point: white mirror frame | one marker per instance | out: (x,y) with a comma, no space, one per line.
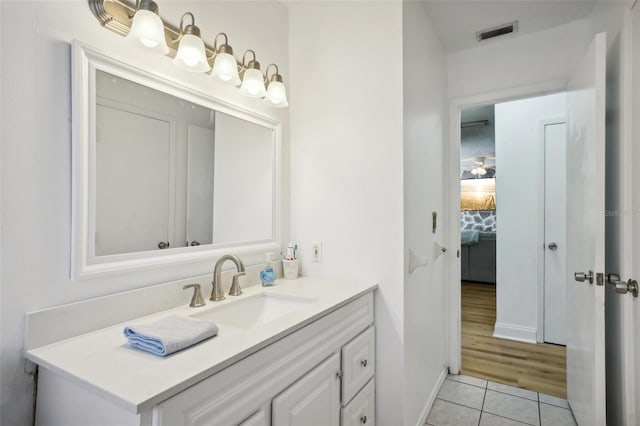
(84,263)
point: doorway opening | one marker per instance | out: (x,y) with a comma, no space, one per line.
(512,235)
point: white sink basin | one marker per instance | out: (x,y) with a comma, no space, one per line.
(254,310)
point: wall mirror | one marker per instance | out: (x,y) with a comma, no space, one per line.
(164,174)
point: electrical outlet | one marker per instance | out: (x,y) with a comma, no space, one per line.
(316,252)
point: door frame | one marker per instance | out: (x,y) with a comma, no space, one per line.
(542,224)
(452,174)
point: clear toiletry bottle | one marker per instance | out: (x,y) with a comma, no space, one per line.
(268,273)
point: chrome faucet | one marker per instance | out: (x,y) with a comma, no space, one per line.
(217,294)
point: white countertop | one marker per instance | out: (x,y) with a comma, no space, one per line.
(102,362)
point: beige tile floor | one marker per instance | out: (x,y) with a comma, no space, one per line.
(469,401)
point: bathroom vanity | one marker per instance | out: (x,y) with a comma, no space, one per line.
(299,353)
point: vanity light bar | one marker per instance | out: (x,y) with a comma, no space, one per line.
(117,16)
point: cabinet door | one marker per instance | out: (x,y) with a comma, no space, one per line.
(314,400)
(358,363)
(361,410)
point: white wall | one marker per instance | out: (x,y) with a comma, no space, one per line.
(519,155)
(425,296)
(244,181)
(346,161)
(523,60)
(36,152)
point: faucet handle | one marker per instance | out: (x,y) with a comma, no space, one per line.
(196,300)
(235,285)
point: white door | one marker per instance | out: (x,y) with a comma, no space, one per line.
(133,185)
(200,147)
(555,232)
(585,236)
(314,400)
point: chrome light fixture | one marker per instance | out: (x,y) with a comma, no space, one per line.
(147,27)
(252,78)
(191,54)
(276,92)
(225,67)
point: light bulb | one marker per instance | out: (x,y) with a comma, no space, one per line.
(225,69)
(191,54)
(147,29)
(253,84)
(276,95)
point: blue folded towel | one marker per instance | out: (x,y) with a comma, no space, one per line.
(169,335)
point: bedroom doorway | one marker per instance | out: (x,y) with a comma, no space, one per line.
(512,259)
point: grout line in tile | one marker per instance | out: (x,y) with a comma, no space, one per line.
(486,381)
(465,406)
(510,394)
(464,383)
(555,406)
(482,410)
(507,418)
(539,412)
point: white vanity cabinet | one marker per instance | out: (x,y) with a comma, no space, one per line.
(315,371)
(299,380)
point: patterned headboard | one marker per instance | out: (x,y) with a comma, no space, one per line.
(480,220)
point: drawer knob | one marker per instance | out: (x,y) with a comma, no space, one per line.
(364,364)
(363,419)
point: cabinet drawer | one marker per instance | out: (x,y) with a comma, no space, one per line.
(358,363)
(258,419)
(361,410)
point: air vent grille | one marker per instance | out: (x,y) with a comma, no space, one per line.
(501,30)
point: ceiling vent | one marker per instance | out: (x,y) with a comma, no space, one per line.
(498,31)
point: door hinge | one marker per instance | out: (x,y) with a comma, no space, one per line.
(599,278)
(458,254)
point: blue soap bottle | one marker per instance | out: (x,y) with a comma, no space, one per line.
(268,273)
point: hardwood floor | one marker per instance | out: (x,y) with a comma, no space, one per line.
(537,367)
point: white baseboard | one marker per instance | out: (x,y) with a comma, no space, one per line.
(432,397)
(515,332)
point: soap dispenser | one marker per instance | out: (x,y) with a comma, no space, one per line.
(268,273)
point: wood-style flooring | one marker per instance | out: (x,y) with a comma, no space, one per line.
(537,367)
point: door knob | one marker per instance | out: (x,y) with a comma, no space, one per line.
(553,246)
(623,287)
(582,277)
(630,286)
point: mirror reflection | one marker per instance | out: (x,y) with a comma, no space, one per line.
(170,173)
